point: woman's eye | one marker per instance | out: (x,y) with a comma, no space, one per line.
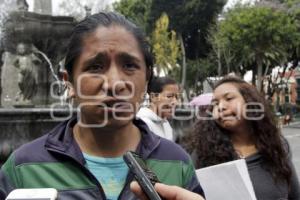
(130,66)
(229,98)
(95,68)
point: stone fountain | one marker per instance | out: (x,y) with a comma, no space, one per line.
(32,49)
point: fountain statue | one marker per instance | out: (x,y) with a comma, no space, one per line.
(27,64)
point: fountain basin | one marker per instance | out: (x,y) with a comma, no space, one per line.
(21,125)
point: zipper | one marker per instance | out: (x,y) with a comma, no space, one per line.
(129,179)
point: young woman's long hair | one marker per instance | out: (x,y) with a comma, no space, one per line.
(212,144)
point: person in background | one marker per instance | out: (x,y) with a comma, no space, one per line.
(108,65)
(163,96)
(243,126)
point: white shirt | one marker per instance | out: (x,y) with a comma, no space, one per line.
(155,123)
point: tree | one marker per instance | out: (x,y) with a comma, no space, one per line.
(190,19)
(294,11)
(259,38)
(292,8)
(136,10)
(163,41)
(165,45)
(200,71)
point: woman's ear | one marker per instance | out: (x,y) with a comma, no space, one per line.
(68,84)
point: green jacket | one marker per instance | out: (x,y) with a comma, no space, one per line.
(56,161)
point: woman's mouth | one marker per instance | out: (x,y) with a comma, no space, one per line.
(228,118)
(116,106)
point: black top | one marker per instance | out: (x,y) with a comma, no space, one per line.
(265,187)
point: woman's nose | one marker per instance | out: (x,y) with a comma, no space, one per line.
(115,83)
(222,107)
(174,101)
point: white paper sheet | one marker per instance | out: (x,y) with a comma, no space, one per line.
(227,181)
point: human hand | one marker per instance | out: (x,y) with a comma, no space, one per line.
(167,192)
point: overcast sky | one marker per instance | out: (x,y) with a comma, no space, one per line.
(230,3)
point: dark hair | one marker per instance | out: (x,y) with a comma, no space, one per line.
(157,84)
(105,19)
(213,145)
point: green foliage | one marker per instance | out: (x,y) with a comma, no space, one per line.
(191,19)
(165,45)
(290,2)
(164,42)
(135,10)
(199,70)
(257,36)
(294,11)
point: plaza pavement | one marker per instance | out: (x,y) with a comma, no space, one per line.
(292,133)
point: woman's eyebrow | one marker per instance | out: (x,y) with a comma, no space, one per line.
(223,95)
(99,57)
(129,57)
(226,94)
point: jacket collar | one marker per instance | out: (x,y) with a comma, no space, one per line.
(60,140)
(149,141)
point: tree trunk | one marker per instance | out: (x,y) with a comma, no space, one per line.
(183,78)
(219,62)
(266,71)
(259,75)
(254,73)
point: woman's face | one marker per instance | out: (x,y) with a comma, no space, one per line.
(228,106)
(109,77)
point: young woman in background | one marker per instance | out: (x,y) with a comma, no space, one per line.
(243,126)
